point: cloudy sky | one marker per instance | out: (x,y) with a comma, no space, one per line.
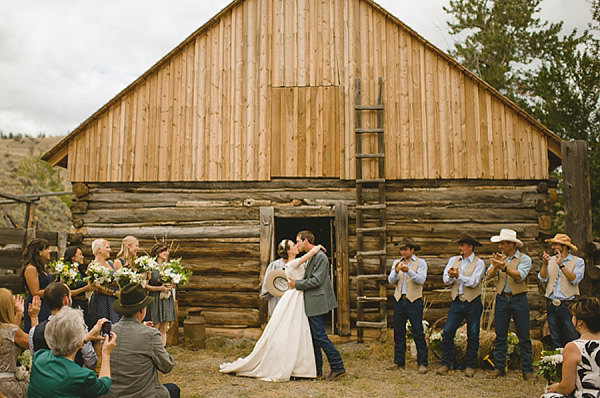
(61,60)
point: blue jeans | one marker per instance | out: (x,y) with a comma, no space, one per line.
(321,341)
(518,307)
(560,322)
(404,310)
(471,312)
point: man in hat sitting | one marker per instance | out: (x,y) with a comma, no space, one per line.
(464,273)
(139,352)
(408,274)
(563,272)
(512,268)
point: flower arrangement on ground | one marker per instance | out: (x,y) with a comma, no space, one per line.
(125,275)
(66,272)
(409,332)
(96,273)
(550,365)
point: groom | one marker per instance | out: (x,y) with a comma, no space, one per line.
(319,299)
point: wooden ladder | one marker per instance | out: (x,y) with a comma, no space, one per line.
(371,208)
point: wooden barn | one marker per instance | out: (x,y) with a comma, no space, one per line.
(328,115)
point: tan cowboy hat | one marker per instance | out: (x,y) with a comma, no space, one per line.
(507,235)
(133,299)
(276,282)
(562,239)
(466,237)
(408,242)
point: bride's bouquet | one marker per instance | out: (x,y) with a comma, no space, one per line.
(124,276)
(550,365)
(146,264)
(172,272)
(96,273)
(66,272)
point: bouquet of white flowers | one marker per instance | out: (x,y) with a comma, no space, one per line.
(146,264)
(550,365)
(124,276)
(173,272)
(66,272)
(409,331)
(96,273)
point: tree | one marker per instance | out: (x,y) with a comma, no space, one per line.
(555,77)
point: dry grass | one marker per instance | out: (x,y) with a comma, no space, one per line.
(197,374)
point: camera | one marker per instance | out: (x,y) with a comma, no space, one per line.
(105,328)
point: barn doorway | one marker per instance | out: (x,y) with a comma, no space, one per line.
(324,230)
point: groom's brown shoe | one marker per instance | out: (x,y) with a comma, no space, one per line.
(335,375)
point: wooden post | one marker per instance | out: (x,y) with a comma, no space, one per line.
(578,206)
(29,215)
(267,251)
(61,243)
(343,275)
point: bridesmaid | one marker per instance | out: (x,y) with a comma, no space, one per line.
(128,253)
(73,254)
(35,278)
(161,310)
(101,303)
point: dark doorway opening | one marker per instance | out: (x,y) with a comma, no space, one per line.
(324,231)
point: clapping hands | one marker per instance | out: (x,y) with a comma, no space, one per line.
(34,308)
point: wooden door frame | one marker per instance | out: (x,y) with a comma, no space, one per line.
(339,212)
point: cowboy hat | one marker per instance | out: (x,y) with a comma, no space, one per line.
(133,299)
(466,237)
(562,239)
(408,242)
(276,282)
(507,235)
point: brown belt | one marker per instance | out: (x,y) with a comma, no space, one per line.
(510,295)
(79,297)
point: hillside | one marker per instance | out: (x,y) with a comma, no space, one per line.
(51,213)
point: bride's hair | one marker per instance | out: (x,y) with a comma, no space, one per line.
(283,247)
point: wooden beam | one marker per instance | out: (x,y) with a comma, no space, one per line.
(578,206)
(267,250)
(343,267)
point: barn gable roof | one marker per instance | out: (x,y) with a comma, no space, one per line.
(59,153)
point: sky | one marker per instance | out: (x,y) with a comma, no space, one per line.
(62,60)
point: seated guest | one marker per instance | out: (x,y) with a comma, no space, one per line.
(54,374)
(12,339)
(139,352)
(57,295)
(581,357)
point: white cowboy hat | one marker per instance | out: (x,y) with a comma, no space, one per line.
(507,235)
(276,282)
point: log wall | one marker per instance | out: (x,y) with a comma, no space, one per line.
(217,230)
(262,73)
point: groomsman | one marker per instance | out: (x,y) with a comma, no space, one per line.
(512,268)
(563,272)
(408,274)
(464,273)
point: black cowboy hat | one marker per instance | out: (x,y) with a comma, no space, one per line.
(466,237)
(408,242)
(133,299)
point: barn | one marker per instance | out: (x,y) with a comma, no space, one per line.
(329,115)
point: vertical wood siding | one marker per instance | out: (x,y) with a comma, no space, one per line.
(266,75)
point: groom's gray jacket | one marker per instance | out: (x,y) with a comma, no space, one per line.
(319,298)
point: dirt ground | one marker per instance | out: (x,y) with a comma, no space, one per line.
(197,374)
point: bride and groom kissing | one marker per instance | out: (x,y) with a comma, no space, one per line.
(291,344)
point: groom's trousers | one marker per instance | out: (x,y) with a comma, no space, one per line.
(321,341)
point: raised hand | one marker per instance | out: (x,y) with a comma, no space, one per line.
(546,258)
(34,307)
(109,343)
(19,303)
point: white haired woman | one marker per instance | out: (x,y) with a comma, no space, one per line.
(55,374)
(101,302)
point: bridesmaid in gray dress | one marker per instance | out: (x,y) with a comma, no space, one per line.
(161,310)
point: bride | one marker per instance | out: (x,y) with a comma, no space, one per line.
(285,348)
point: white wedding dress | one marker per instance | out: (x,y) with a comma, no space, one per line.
(285,348)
